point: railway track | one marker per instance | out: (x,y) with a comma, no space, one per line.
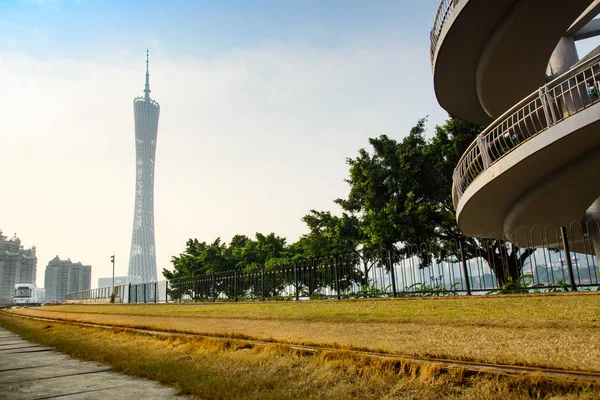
(469,366)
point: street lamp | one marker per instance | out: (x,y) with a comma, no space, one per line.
(112,297)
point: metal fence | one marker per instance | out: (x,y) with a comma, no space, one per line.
(565,96)
(151,292)
(549,259)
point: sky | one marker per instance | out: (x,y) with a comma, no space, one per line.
(261,104)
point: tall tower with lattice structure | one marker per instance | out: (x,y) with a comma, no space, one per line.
(142,258)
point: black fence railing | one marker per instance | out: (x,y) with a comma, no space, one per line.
(549,259)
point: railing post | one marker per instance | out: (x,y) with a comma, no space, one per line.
(549,103)
(235,284)
(464,265)
(367,277)
(483,150)
(283,272)
(392,273)
(212,280)
(262,282)
(542,95)
(337,278)
(565,240)
(195,291)
(297,281)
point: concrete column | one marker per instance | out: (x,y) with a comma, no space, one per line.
(591,221)
(564,57)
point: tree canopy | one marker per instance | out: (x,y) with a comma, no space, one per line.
(242,253)
(399,193)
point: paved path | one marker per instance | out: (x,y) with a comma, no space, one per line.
(31,371)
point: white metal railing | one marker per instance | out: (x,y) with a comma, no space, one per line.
(566,95)
(441,16)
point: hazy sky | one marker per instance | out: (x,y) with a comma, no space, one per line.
(261,103)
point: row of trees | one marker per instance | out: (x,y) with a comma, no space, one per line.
(400,192)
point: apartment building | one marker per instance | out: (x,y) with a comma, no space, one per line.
(17,265)
(65,276)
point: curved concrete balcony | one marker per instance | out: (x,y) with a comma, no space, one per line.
(487,55)
(537,163)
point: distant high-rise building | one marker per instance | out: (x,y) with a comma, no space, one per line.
(17,265)
(142,257)
(107,282)
(65,276)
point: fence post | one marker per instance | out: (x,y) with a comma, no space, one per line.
(283,272)
(129,293)
(212,288)
(166,291)
(367,277)
(565,240)
(195,291)
(337,278)
(464,265)
(235,284)
(297,281)
(392,272)
(155,291)
(262,282)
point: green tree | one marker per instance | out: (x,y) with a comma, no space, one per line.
(261,259)
(342,238)
(198,260)
(239,267)
(447,147)
(401,192)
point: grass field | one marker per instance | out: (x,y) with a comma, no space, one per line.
(559,331)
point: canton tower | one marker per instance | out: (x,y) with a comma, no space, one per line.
(142,258)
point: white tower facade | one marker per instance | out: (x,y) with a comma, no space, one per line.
(142,257)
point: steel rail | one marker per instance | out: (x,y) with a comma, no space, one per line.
(470,366)
(568,94)
(442,14)
(539,111)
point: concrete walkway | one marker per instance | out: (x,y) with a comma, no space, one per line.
(31,371)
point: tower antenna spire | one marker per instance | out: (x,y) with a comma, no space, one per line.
(147,88)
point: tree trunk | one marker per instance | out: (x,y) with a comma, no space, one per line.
(506,262)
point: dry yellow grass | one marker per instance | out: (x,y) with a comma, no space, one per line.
(561,331)
(218,369)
